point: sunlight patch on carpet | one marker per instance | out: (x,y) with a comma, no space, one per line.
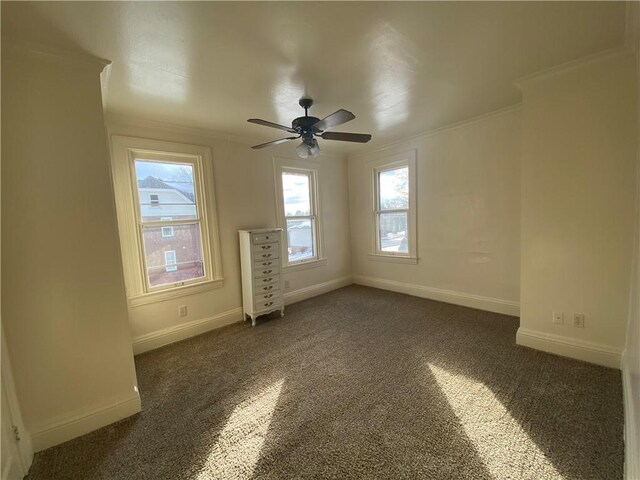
(503,445)
(237,448)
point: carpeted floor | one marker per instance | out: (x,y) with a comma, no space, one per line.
(358,383)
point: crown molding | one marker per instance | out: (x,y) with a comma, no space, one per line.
(120,120)
(49,52)
(573,64)
(435,131)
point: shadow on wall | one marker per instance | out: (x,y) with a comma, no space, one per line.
(359,383)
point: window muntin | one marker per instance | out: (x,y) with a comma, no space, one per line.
(169,215)
(392,212)
(300,214)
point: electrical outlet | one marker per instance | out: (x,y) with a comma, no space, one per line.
(286,284)
(578,320)
(558,318)
(182,311)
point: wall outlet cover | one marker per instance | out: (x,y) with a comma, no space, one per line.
(578,320)
(558,318)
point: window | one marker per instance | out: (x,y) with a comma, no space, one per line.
(171,265)
(167,232)
(166,215)
(394,207)
(298,211)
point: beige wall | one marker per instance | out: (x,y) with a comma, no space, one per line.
(468,214)
(63,300)
(245,195)
(578,205)
(631,357)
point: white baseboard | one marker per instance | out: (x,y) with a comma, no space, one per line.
(315,290)
(631,427)
(79,424)
(153,340)
(570,347)
(489,304)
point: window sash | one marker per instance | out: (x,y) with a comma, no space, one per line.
(146,267)
(312,217)
(157,157)
(379,211)
(314,241)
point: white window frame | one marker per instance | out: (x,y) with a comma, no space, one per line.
(312,169)
(125,150)
(170,265)
(405,159)
(170,233)
(156,202)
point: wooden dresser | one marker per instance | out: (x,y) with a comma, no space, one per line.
(260,251)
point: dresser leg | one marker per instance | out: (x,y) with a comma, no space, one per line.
(253,321)
(282,312)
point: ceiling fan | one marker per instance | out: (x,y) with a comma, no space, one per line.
(309,127)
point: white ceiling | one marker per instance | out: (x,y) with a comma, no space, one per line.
(401,68)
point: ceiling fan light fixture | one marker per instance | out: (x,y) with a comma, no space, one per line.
(303,150)
(314,149)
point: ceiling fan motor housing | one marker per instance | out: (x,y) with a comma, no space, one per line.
(305,125)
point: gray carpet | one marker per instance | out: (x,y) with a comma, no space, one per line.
(358,383)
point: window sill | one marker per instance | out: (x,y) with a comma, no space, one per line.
(393,258)
(304,265)
(154,297)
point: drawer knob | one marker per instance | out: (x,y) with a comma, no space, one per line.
(269,287)
(267,279)
(268,271)
(267,255)
(266,247)
(268,304)
(268,295)
(266,264)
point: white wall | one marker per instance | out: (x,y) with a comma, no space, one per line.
(468,212)
(578,206)
(245,195)
(63,301)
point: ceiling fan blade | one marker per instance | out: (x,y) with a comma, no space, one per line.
(335,119)
(271,124)
(275,142)
(347,137)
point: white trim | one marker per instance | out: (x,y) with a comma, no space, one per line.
(378,257)
(506,307)
(572,65)
(160,338)
(315,290)
(162,295)
(50,52)
(435,131)
(81,423)
(591,352)
(632,456)
(312,170)
(25,445)
(303,265)
(123,152)
(127,121)
(398,160)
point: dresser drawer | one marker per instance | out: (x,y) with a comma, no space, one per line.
(265,271)
(273,296)
(266,263)
(262,255)
(268,280)
(266,247)
(268,304)
(262,289)
(259,238)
